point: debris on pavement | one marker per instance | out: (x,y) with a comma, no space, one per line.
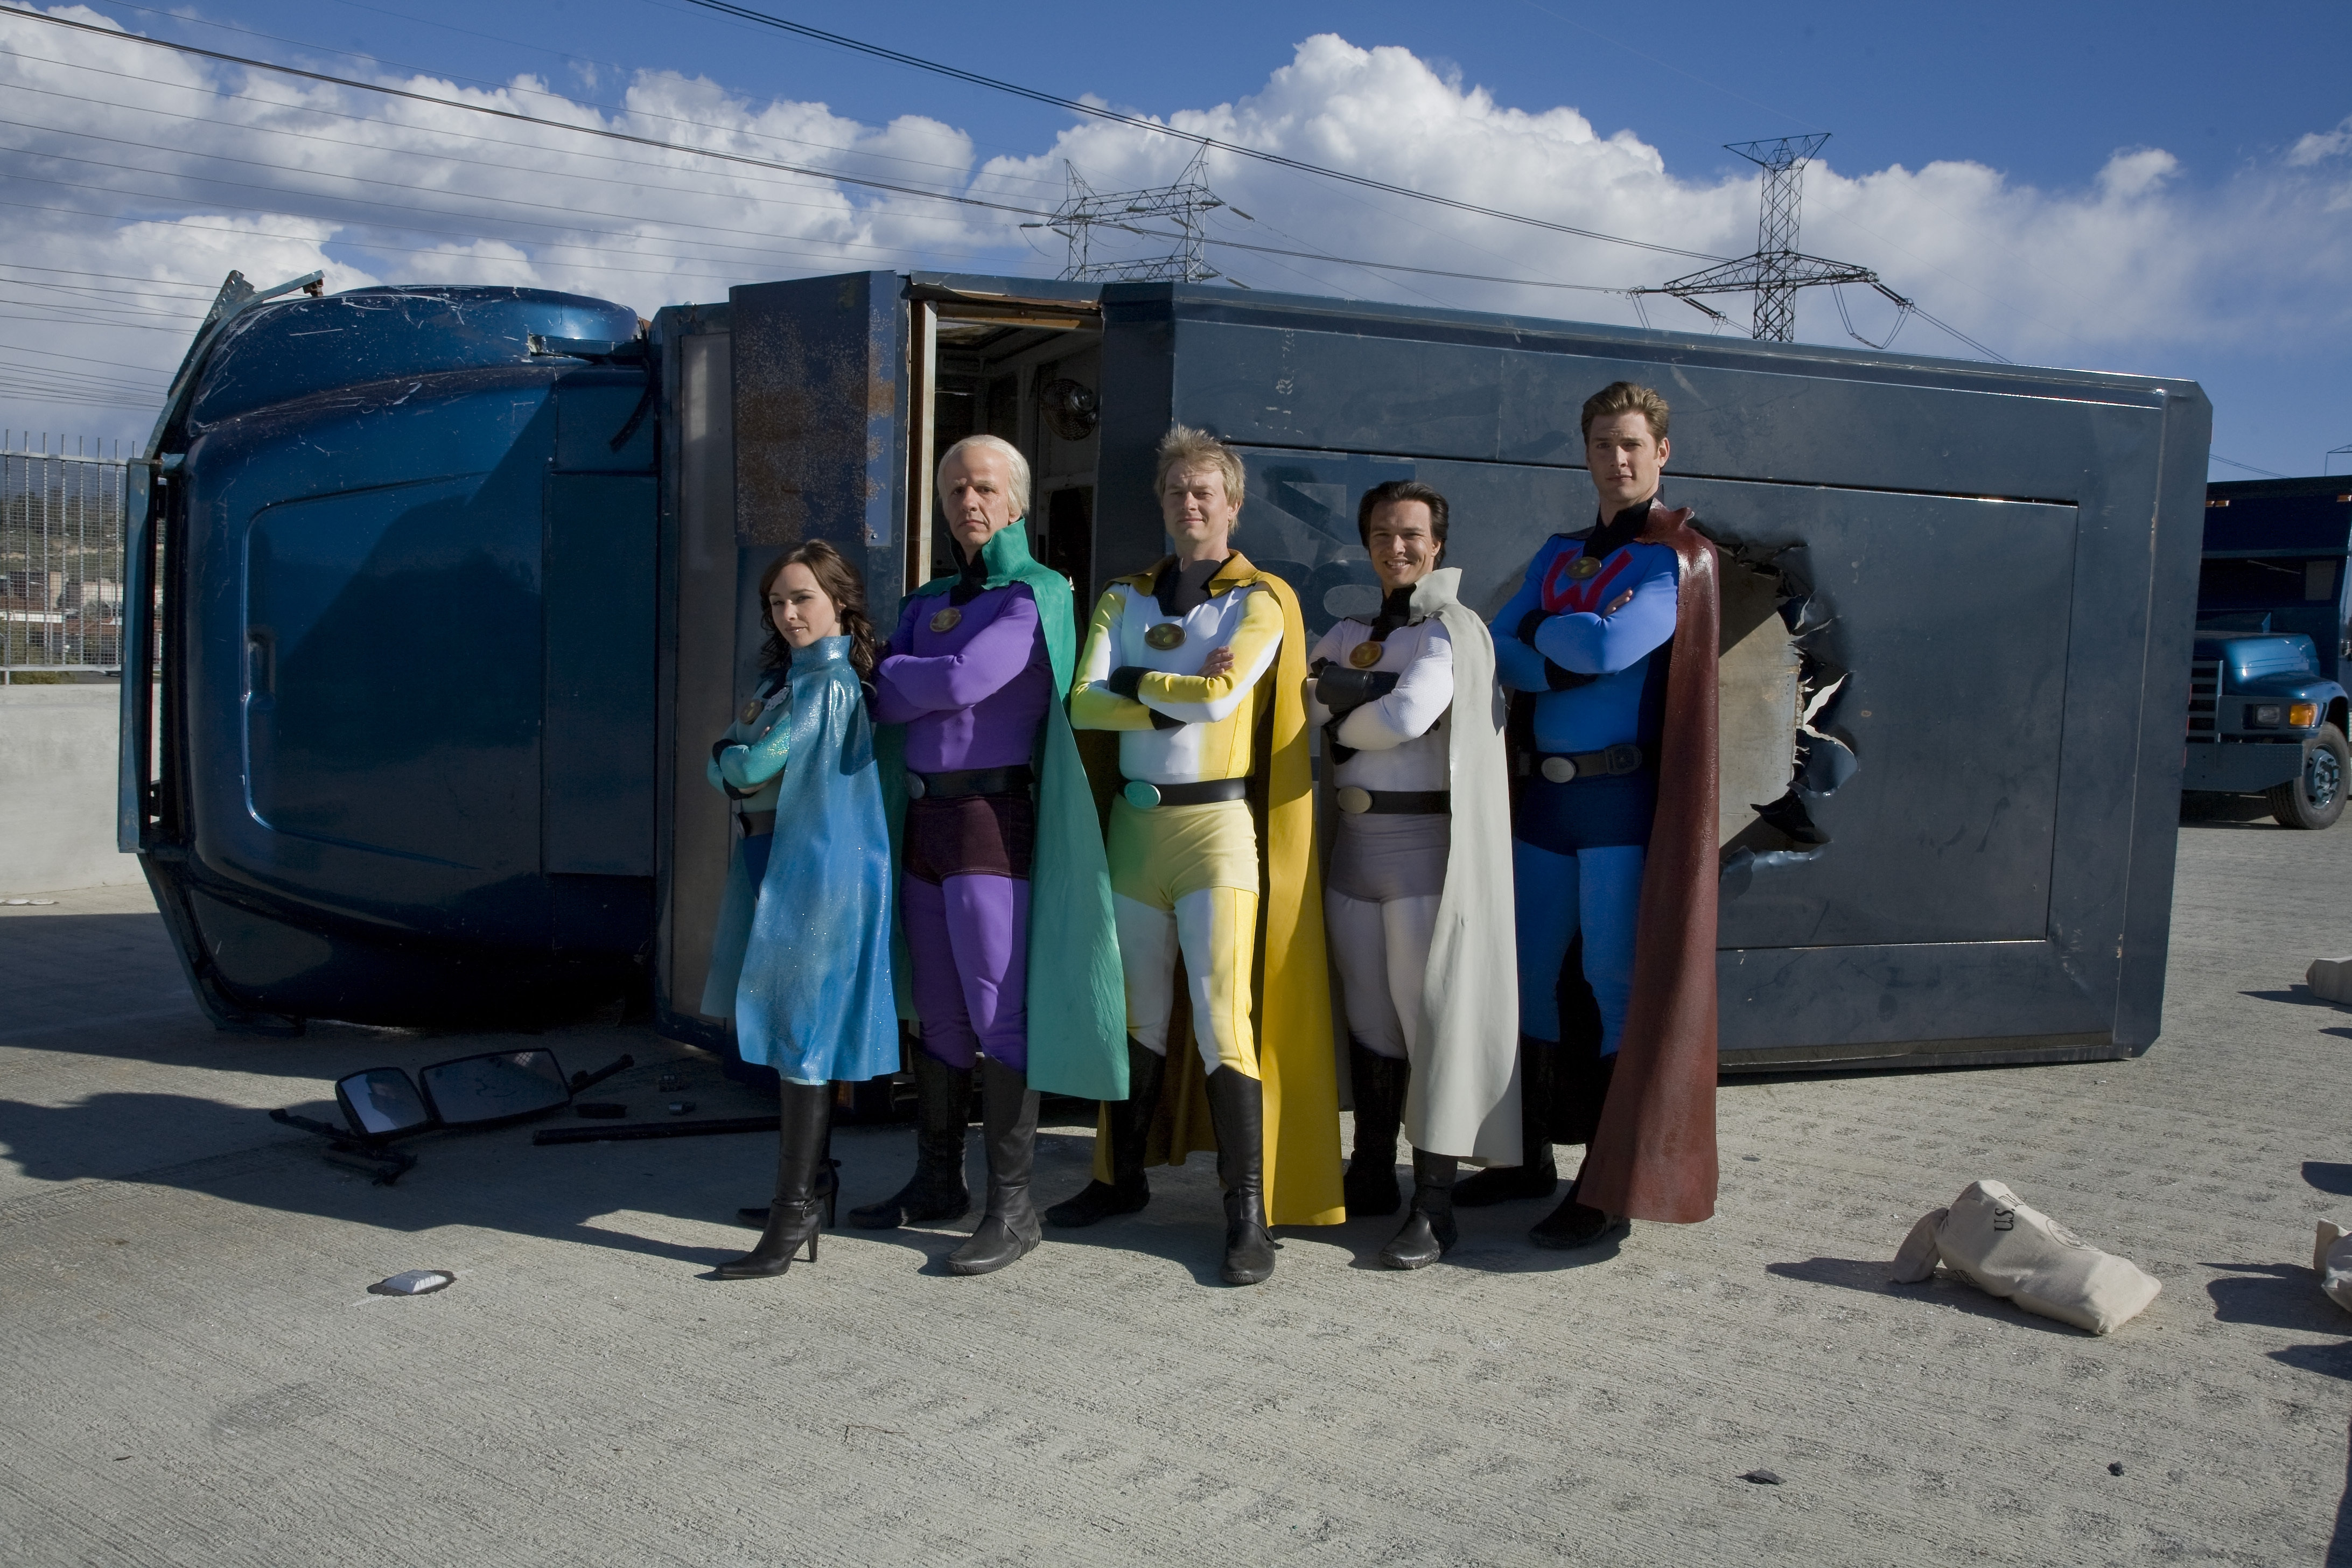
(1762,1478)
(2117,1468)
(415,1282)
(1990,1238)
(2331,1259)
(680,1107)
(2330,979)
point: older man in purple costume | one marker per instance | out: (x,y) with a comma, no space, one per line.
(968,674)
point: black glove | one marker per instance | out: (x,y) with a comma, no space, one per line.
(1529,622)
(1345,691)
(1127,681)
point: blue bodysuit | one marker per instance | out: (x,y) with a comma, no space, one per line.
(1594,654)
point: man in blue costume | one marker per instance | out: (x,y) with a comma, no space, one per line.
(1594,636)
(1005,900)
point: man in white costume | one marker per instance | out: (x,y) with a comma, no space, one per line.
(1417,885)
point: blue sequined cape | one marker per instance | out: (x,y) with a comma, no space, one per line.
(816,1000)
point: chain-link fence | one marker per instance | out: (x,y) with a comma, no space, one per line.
(61,557)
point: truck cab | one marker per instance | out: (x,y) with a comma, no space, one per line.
(2267,710)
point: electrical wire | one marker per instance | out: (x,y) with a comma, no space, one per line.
(504,202)
(780,253)
(668,171)
(513,114)
(535,93)
(1098,111)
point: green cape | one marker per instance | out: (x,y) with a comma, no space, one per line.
(1078,996)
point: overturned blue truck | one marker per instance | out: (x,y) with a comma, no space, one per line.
(452,586)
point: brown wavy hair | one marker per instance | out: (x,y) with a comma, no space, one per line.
(841,584)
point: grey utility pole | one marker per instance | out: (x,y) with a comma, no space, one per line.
(1778,268)
(1182,204)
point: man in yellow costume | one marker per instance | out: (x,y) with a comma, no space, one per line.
(1199,664)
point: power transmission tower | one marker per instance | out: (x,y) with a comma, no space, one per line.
(1778,268)
(1182,204)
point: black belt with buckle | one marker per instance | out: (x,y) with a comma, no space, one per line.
(1392,802)
(1564,767)
(969,782)
(758,823)
(1146,796)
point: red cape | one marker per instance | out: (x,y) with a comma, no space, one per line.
(1654,1155)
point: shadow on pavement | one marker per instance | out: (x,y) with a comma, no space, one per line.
(1868,1275)
(2275,1295)
(2328,1360)
(2329,1177)
(2299,995)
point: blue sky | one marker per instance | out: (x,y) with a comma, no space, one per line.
(2161,188)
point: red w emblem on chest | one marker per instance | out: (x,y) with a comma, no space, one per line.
(1563,595)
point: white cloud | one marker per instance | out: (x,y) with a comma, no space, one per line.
(2320,145)
(2134,266)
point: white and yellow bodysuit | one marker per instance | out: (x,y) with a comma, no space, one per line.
(1184,877)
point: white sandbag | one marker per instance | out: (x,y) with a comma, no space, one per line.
(2330,978)
(1998,1244)
(2331,1259)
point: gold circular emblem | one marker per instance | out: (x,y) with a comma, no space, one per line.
(1353,800)
(1583,566)
(1164,635)
(1365,655)
(947,620)
(750,711)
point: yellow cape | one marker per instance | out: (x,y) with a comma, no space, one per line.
(1290,1001)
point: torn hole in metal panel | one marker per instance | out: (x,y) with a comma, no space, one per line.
(1780,672)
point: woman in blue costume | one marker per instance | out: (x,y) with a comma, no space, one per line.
(814,998)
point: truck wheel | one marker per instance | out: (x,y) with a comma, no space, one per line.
(2315,798)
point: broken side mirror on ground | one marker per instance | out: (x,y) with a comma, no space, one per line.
(493,1088)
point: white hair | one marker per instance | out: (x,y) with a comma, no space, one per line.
(1002,448)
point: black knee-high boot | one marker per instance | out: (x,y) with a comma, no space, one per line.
(937,1190)
(1237,1111)
(1008,1120)
(1371,1185)
(1429,1232)
(797,1214)
(1128,1120)
(1535,1176)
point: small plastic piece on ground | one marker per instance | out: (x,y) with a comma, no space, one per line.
(2117,1468)
(415,1282)
(1762,1478)
(32,900)
(600,1110)
(2331,1259)
(670,1082)
(2330,978)
(680,1107)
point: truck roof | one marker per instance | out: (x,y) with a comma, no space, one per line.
(2252,518)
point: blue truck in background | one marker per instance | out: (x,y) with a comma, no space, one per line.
(2267,707)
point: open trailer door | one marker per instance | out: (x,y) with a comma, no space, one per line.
(787,412)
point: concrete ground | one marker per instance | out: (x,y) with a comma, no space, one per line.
(195,1374)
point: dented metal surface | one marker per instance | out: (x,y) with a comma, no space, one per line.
(1956,623)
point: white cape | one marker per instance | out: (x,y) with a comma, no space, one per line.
(1463,1100)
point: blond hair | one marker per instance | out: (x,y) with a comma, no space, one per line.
(1184,449)
(1004,449)
(1627,397)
